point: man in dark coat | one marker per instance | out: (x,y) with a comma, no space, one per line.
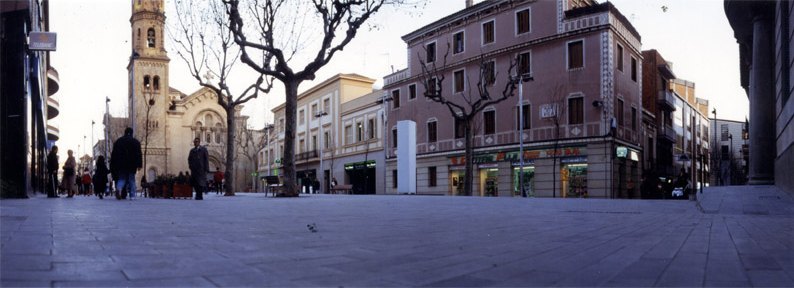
(52,172)
(125,160)
(199,164)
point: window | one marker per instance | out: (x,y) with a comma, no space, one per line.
(147,82)
(575,54)
(359,132)
(281,124)
(619,112)
(394,137)
(301,145)
(431,176)
(634,118)
(218,132)
(395,97)
(314,142)
(412,91)
(197,131)
(460,129)
(522,21)
(314,110)
(156,83)
(724,132)
(394,178)
(488,32)
(576,110)
(349,136)
(326,139)
(301,116)
(431,52)
(524,62)
(432,86)
(432,131)
(371,127)
(208,136)
(150,37)
(633,69)
(525,109)
(726,154)
(457,79)
(489,117)
(489,73)
(458,44)
(620,58)
(327,106)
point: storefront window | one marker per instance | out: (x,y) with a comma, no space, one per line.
(574,180)
(491,181)
(529,181)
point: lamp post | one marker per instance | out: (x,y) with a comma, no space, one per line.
(526,77)
(386,131)
(133,57)
(107,127)
(319,116)
(714,151)
(730,161)
(92,147)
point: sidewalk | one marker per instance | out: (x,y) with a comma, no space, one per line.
(372,240)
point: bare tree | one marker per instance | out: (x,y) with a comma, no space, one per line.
(205,42)
(249,141)
(558,106)
(465,108)
(277,29)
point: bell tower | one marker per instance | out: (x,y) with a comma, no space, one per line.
(148,79)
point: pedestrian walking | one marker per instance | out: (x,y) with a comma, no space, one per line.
(85,181)
(100,177)
(125,160)
(69,174)
(217,178)
(199,165)
(52,173)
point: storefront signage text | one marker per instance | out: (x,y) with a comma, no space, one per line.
(514,156)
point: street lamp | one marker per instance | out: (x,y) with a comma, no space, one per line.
(526,77)
(730,159)
(319,116)
(92,147)
(385,119)
(107,127)
(133,57)
(714,151)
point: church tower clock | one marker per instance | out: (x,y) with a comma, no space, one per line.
(148,81)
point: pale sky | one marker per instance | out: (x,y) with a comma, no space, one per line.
(94,35)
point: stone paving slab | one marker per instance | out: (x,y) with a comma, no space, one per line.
(397,241)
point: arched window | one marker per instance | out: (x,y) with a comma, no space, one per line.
(207,137)
(156,82)
(218,132)
(150,37)
(146,82)
(197,132)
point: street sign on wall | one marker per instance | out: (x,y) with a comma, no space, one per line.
(42,41)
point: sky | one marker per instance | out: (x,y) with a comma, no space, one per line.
(94,45)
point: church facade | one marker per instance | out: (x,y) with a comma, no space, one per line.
(164,119)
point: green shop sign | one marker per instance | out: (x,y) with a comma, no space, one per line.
(360,165)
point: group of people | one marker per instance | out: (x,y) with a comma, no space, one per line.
(125,160)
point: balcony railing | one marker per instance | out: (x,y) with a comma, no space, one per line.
(666,98)
(306,155)
(666,133)
(395,77)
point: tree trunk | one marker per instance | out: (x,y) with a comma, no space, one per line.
(230,134)
(554,158)
(468,179)
(288,159)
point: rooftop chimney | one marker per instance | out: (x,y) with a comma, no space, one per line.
(469,3)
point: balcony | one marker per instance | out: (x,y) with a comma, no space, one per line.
(395,77)
(666,98)
(53,133)
(53,108)
(306,155)
(666,133)
(53,81)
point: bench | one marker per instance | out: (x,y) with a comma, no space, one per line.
(273,185)
(345,188)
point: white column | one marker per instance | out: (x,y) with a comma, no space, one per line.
(406,157)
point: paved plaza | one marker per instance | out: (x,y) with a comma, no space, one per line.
(736,236)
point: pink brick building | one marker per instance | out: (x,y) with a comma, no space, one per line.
(586,64)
